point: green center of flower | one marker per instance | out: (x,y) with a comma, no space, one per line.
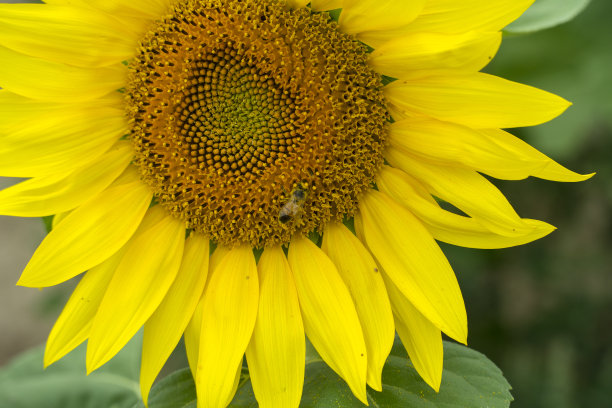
(252,121)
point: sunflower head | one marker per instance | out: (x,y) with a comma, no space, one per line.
(252,123)
(234,105)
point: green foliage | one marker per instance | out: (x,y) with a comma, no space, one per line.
(48,221)
(175,391)
(469,380)
(545,14)
(24,383)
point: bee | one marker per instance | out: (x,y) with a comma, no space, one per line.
(293,206)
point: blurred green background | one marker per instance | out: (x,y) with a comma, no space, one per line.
(542,311)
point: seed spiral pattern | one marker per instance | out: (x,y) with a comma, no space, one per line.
(235,104)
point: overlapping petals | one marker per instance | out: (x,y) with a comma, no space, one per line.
(330,318)
(276,352)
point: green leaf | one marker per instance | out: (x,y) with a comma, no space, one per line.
(545,14)
(469,380)
(176,390)
(48,221)
(24,383)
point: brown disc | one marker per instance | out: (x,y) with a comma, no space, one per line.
(235,105)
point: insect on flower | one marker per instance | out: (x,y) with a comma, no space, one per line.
(293,207)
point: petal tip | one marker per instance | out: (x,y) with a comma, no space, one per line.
(433,378)
(435,386)
(459,334)
(92,360)
(25,282)
(362,396)
(584,177)
(375,383)
(48,359)
(562,105)
(548,229)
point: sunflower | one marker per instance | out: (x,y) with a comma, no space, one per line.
(245,173)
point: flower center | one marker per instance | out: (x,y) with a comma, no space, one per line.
(252,121)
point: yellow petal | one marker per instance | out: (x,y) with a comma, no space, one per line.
(276,353)
(235,386)
(361,275)
(74,323)
(447,226)
(297,3)
(66,34)
(324,5)
(57,218)
(478,100)
(365,15)
(192,331)
(550,170)
(452,16)
(58,193)
(141,281)
(90,234)
(414,262)
(217,256)
(165,327)
(192,337)
(155,214)
(46,144)
(228,317)
(330,319)
(52,81)
(359,229)
(139,15)
(493,152)
(466,190)
(141,9)
(17,112)
(420,54)
(422,340)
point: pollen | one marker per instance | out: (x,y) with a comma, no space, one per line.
(235,104)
